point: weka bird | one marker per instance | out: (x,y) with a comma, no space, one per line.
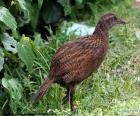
(76,60)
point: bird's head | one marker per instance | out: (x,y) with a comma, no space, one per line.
(109,20)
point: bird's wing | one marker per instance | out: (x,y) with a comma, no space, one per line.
(61,59)
(81,66)
(75,60)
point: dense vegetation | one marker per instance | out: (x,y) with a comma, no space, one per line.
(30,33)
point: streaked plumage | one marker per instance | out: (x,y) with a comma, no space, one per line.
(76,60)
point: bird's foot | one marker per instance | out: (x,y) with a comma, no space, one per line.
(74,109)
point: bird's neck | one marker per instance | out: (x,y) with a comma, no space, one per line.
(101,30)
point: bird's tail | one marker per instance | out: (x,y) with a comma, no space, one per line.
(43,88)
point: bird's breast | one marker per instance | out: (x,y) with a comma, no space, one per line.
(77,60)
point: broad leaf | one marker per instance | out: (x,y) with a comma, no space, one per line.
(13,86)
(9,43)
(25,52)
(1,59)
(7,18)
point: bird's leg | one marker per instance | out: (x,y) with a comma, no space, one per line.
(71,93)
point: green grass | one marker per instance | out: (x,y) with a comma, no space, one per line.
(113,90)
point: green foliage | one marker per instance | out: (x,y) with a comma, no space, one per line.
(9,43)
(25,58)
(66,5)
(7,18)
(52,12)
(1,59)
(25,52)
(13,86)
(23,6)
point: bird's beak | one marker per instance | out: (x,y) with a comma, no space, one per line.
(120,21)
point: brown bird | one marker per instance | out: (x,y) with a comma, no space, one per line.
(76,60)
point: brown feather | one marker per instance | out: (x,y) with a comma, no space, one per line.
(76,60)
(44,87)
